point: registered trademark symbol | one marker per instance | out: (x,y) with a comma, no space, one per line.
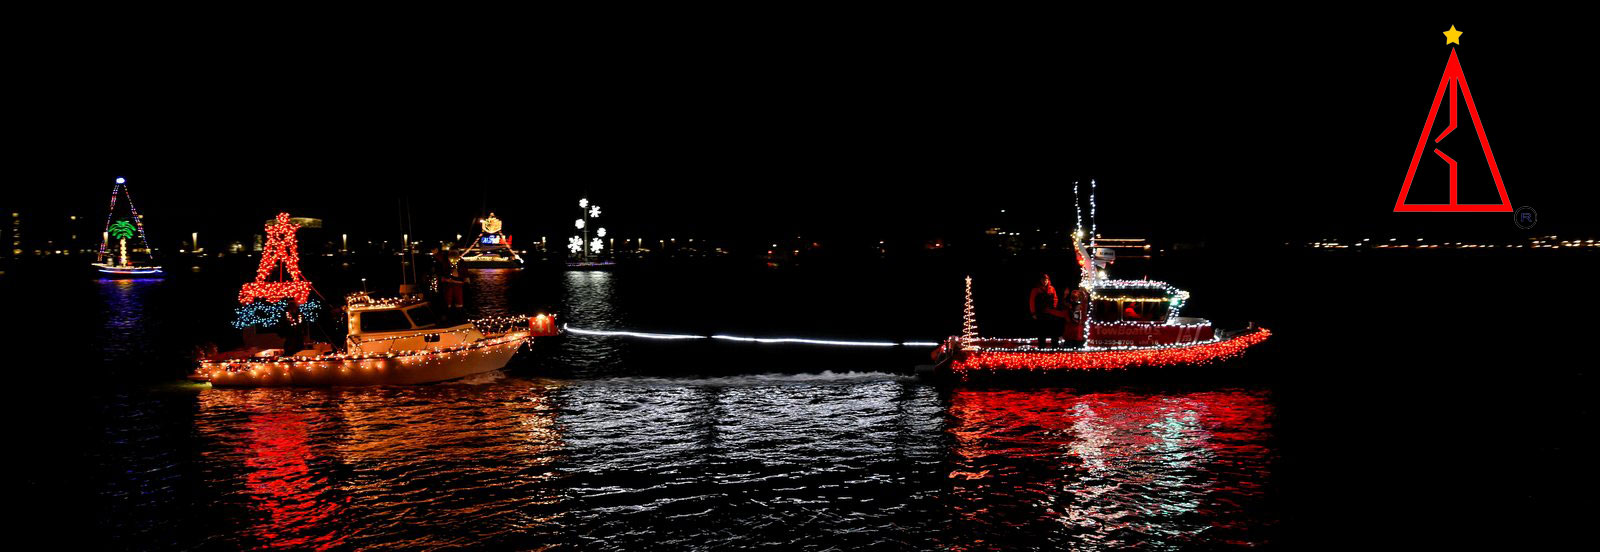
(1525,217)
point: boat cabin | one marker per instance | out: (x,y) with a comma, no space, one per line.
(392,319)
(1132,304)
(404,323)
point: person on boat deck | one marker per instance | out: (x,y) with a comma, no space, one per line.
(1076,306)
(454,285)
(1041,303)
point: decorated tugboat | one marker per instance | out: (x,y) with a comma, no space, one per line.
(120,261)
(390,341)
(586,251)
(491,249)
(1118,325)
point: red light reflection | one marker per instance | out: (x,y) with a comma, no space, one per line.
(1108,469)
(283,484)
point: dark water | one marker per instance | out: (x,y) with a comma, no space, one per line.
(609,443)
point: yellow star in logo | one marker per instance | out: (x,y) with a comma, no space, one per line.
(1452,36)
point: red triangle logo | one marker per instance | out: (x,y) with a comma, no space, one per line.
(1453,78)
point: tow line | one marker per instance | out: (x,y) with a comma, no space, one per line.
(763,340)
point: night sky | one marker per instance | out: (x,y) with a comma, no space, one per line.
(1232,130)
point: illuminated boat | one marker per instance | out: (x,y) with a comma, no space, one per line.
(391,342)
(491,249)
(122,261)
(396,341)
(586,250)
(1122,325)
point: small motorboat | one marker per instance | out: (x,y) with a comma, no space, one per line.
(390,341)
(393,341)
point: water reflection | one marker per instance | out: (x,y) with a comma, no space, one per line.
(590,301)
(281,483)
(755,461)
(1108,469)
(490,289)
(363,467)
(127,329)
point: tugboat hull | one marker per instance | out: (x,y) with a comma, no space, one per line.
(1005,362)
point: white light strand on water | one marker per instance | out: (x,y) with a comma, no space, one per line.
(806,341)
(645,335)
(764,340)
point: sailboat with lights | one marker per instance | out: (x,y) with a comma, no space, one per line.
(1120,325)
(116,259)
(390,341)
(491,249)
(586,251)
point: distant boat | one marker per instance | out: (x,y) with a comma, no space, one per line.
(586,251)
(491,249)
(118,260)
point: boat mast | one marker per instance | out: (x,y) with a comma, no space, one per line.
(1086,261)
(121,185)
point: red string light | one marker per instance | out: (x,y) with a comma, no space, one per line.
(1114,359)
(282,248)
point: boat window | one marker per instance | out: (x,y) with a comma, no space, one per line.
(422,316)
(384,321)
(1125,310)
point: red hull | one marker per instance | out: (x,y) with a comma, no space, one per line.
(1117,358)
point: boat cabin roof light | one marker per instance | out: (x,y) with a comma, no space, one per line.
(393,318)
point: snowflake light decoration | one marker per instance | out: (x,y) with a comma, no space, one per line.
(581,245)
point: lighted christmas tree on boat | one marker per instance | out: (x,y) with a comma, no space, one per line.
(122,259)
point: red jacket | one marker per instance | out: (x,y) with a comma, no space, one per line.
(1034,298)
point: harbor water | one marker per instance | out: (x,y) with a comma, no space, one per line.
(592,442)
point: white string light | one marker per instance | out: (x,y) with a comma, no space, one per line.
(643,335)
(743,339)
(969,320)
(771,340)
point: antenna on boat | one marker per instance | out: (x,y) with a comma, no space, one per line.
(1086,258)
(405,237)
(1093,229)
(1077,210)
(411,253)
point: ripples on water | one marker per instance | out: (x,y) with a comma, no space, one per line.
(1112,469)
(848,460)
(611,459)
